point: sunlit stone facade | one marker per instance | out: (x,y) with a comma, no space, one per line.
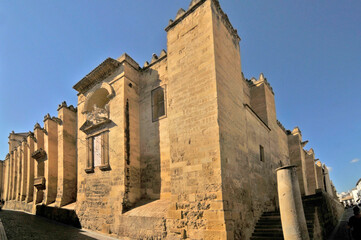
(183,147)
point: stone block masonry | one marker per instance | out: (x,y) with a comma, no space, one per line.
(184,147)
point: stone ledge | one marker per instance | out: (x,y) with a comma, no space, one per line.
(97,75)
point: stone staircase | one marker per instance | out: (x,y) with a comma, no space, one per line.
(269,225)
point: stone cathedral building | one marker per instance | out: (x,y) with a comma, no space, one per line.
(184,147)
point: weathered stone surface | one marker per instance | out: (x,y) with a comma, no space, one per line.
(184,148)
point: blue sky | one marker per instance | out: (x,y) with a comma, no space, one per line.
(310,52)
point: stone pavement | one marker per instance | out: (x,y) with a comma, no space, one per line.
(23,226)
(341,232)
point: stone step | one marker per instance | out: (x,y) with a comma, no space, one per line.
(266,237)
(269,225)
(271,214)
(264,229)
(268,234)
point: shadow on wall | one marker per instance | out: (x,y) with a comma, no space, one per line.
(152,112)
(18,225)
(66,216)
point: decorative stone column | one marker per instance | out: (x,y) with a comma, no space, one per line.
(292,215)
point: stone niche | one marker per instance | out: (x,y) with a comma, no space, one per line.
(96,127)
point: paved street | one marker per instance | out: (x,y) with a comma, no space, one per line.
(22,226)
(341,232)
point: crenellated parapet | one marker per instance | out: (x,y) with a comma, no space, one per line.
(282,127)
(182,14)
(155,59)
(64,105)
(55,119)
(37,126)
(261,80)
(31,135)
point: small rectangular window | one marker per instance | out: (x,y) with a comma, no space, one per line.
(158,103)
(261,153)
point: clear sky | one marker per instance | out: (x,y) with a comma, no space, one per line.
(310,52)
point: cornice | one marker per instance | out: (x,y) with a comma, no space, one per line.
(101,72)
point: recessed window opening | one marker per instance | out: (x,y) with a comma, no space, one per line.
(158,103)
(98,152)
(261,153)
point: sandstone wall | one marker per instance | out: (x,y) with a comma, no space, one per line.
(4,196)
(67,162)
(247,122)
(297,158)
(132,139)
(30,174)
(310,169)
(154,135)
(51,160)
(196,186)
(100,193)
(2,173)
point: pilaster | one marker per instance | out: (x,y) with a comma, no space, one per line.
(7,177)
(2,171)
(19,171)
(15,174)
(11,174)
(38,155)
(67,165)
(30,170)
(297,157)
(24,170)
(51,159)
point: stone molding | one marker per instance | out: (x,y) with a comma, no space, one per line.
(105,69)
(39,154)
(39,183)
(89,127)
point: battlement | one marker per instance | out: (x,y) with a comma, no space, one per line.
(261,80)
(155,59)
(182,14)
